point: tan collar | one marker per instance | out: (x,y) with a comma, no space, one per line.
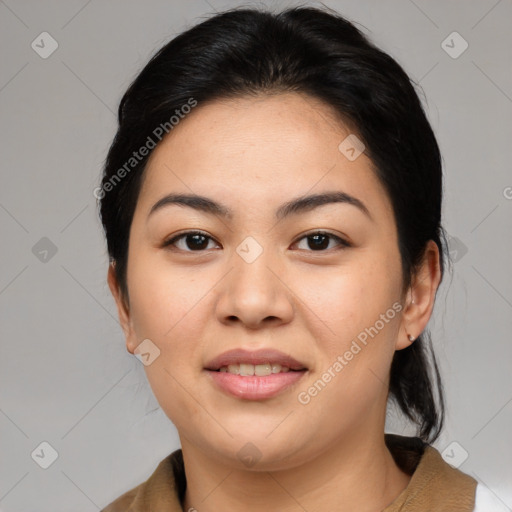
(435,485)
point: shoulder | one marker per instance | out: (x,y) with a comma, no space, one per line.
(434,484)
(486,501)
(163,489)
(124,502)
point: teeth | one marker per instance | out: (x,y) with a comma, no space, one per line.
(234,368)
(260,370)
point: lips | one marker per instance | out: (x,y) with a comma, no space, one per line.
(254,387)
(256,357)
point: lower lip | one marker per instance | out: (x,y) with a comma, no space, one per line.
(254,387)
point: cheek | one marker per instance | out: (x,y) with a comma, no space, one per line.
(358,303)
(352,296)
(171,305)
(166,298)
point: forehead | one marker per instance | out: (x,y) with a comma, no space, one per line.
(275,127)
(260,150)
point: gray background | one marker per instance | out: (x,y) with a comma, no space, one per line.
(65,375)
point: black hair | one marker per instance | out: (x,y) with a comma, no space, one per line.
(244,52)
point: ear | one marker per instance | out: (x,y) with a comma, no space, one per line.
(122,309)
(421,297)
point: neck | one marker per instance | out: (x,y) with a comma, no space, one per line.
(357,473)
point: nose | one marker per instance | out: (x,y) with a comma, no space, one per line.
(255,294)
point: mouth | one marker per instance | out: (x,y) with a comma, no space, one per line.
(254,387)
(256,375)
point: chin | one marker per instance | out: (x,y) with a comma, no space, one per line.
(257,451)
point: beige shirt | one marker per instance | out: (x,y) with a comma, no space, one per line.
(434,486)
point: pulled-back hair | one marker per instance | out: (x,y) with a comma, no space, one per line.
(244,52)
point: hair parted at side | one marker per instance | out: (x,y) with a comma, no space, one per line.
(244,52)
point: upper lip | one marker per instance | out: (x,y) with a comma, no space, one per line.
(261,356)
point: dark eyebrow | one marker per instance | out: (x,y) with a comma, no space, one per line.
(295,206)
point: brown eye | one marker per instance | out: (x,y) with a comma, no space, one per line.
(193,241)
(319,241)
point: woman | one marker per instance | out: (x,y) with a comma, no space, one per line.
(272,209)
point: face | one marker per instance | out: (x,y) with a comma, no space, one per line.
(321,284)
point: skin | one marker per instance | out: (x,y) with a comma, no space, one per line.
(252,155)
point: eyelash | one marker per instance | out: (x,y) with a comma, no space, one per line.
(342,243)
